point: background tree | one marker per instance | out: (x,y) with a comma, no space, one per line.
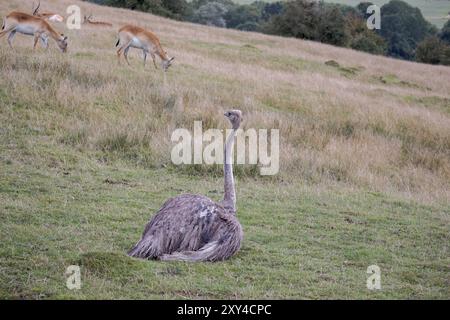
(363,39)
(244,17)
(362,9)
(175,9)
(178,8)
(271,9)
(445,33)
(212,14)
(429,50)
(345,9)
(403,27)
(310,20)
(298,18)
(332,26)
(433,50)
(445,56)
(198,3)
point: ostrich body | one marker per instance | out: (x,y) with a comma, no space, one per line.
(193,227)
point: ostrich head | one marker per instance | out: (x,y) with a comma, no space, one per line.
(235,117)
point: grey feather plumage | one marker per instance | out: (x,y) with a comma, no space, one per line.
(190,227)
(193,227)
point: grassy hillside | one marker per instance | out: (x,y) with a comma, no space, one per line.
(435,11)
(85,162)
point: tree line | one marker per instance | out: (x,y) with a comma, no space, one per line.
(404,32)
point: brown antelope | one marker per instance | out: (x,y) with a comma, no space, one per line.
(136,37)
(88,19)
(50,16)
(33,26)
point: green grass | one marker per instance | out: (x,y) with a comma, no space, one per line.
(61,207)
(251,55)
(85,162)
(438,103)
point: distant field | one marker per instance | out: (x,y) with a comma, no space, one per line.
(434,11)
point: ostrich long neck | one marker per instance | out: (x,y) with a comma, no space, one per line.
(229,198)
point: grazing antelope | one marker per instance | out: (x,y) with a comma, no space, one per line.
(50,16)
(136,37)
(32,26)
(88,19)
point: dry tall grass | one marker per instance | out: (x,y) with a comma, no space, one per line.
(369,122)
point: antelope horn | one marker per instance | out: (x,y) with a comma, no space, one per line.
(37,8)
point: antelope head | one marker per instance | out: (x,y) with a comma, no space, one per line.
(62,43)
(87,18)
(167,63)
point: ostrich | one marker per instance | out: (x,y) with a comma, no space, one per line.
(193,227)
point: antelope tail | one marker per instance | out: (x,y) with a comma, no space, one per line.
(118,41)
(3,24)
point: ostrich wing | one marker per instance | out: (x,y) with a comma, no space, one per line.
(188,223)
